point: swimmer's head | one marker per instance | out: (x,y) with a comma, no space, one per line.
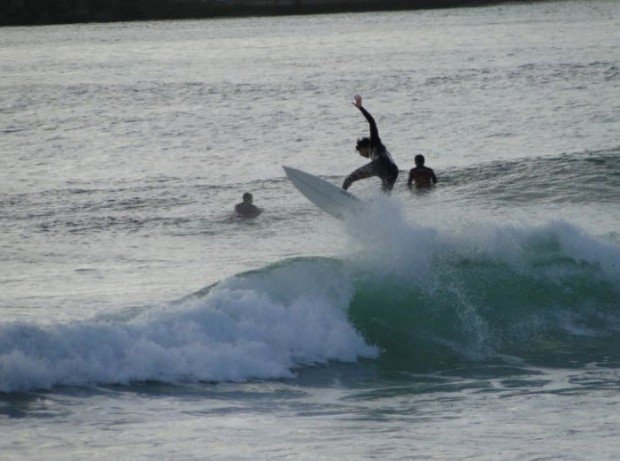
(419,160)
(363,147)
(247,197)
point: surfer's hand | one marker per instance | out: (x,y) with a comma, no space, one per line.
(358,101)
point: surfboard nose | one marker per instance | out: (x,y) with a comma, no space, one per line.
(325,195)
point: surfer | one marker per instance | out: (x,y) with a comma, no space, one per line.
(423,177)
(247,209)
(381,164)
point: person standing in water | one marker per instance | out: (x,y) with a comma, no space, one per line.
(247,209)
(381,164)
(423,177)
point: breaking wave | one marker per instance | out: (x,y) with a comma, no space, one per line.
(544,295)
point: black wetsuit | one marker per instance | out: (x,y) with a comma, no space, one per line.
(381,165)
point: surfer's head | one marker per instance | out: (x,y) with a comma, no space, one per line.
(247,197)
(363,147)
(419,160)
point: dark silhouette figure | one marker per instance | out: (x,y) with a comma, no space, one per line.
(423,177)
(381,165)
(247,209)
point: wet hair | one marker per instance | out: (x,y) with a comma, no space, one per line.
(419,159)
(362,143)
(247,196)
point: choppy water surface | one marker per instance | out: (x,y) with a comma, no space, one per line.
(478,321)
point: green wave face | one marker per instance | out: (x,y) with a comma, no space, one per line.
(546,308)
(430,299)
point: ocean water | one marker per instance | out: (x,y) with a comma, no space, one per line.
(138,320)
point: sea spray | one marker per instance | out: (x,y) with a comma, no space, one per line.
(383,243)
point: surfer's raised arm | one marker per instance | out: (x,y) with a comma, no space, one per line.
(374,132)
(381,164)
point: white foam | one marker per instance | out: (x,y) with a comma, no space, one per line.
(389,243)
(582,247)
(240,330)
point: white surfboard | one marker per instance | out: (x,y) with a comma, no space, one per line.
(327,196)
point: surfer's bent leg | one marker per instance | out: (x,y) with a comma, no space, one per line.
(364,172)
(388,178)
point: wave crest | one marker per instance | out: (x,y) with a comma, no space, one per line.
(428,298)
